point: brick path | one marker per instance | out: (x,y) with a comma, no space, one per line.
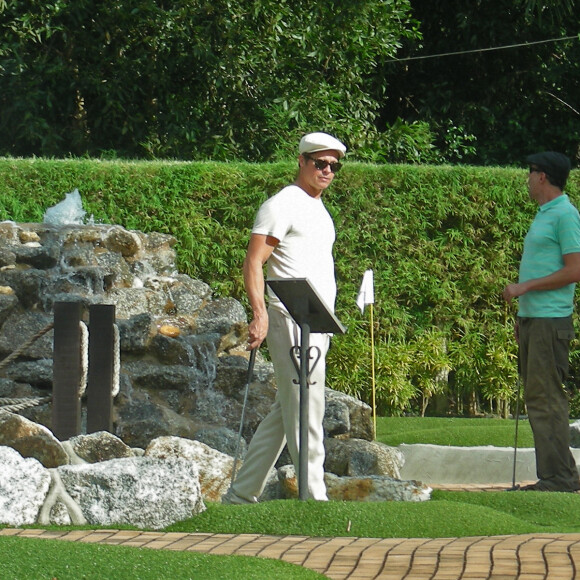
(526,556)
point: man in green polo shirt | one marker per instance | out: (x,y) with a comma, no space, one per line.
(549,270)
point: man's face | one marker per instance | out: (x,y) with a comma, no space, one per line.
(318,179)
(534,177)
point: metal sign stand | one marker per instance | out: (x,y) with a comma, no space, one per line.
(311,314)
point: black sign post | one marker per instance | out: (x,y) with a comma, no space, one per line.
(311,314)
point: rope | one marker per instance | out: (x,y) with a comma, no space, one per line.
(15,405)
(117,361)
(24,346)
(84,358)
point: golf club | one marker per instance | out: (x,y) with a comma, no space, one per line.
(515,487)
(248,381)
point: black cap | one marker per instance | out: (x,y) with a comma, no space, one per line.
(555,164)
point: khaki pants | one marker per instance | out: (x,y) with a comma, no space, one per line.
(282,424)
(544,352)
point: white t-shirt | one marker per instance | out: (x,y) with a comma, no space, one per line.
(306,233)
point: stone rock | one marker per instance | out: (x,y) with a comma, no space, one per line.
(336,418)
(170,350)
(371,488)
(139,420)
(356,457)
(121,241)
(8,302)
(141,491)
(169,330)
(375,488)
(215,468)
(220,316)
(575,434)
(154,376)
(183,359)
(19,327)
(222,439)
(31,440)
(24,484)
(288,482)
(188,296)
(37,373)
(39,413)
(359,414)
(59,507)
(136,332)
(100,446)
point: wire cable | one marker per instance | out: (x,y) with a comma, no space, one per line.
(505,47)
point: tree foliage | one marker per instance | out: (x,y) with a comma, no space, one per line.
(511,100)
(399,80)
(191,78)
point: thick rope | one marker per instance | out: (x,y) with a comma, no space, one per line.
(116,361)
(16,405)
(84,358)
(24,346)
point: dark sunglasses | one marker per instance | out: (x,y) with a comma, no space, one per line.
(321,164)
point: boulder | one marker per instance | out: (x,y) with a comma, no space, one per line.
(24,483)
(100,446)
(31,440)
(371,488)
(357,457)
(341,405)
(140,491)
(215,468)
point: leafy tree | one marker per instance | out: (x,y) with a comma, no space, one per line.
(191,78)
(511,101)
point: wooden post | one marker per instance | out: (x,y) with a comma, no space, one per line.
(67,371)
(101,368)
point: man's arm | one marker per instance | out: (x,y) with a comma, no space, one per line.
(260,249)
(569,274)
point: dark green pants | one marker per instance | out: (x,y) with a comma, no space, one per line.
(544,354)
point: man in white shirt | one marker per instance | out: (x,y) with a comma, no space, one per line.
(293,234)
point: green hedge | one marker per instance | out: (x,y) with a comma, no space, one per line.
(442,241)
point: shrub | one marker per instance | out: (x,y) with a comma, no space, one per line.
(443,241)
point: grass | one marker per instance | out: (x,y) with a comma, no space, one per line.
(31,559)
(447,514)
(453,431)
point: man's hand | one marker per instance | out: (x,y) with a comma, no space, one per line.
(257,331)
(512,291)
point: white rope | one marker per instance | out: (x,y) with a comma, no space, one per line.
(84,358)
(116,360)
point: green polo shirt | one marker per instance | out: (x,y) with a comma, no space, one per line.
(554,232)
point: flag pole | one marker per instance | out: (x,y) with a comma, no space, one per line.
(373,371)
(366,295)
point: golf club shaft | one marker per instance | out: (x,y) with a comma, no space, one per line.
(517,421)
(248,381)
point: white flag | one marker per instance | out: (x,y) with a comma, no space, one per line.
(366,294)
